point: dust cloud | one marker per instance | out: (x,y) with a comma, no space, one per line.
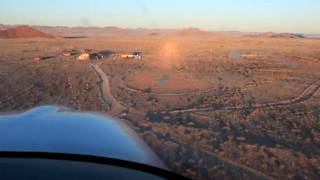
(169,56)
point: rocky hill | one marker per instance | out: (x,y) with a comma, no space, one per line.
(23,32)
(280,35)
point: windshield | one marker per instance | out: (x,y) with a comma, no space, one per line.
(217,89)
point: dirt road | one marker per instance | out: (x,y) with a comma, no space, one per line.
(105,92)
(304,96)
(115,107)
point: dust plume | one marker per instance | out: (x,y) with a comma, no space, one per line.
(169,56)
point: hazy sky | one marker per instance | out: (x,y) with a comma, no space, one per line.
(242,15)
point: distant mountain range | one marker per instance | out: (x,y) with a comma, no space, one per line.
(105,31)
(278,35)
(64,31)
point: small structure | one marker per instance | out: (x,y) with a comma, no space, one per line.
(84,57)
(42,58)
(126,56)
(36,58)
(137,55)
(96,56)
(101,55)
(107,53)
(133,55)
(67,54)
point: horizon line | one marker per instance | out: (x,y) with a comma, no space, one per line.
(159,28)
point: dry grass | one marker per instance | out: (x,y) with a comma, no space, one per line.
(184,72)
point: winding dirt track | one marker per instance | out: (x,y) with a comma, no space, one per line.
(307,94)
(136,90)
(105,91)
(116,108)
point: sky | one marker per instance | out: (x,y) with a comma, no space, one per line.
(300,16)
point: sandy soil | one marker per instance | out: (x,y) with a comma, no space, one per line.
(166,81)
(246,107)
